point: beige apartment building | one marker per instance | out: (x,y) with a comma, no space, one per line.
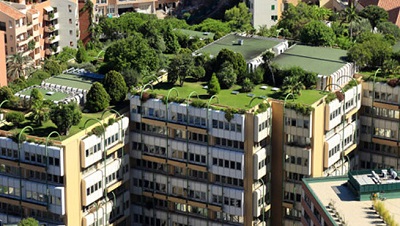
(118,7)
(3,60)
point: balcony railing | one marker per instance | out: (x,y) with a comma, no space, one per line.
(51,16)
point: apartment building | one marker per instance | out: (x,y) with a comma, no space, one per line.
(193,166)
(347,199)
(3,60)
(379,125)
(79,180)
(265,13)
(33,27)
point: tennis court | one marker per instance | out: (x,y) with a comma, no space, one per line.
(69,80)
(251,48)
(47,94)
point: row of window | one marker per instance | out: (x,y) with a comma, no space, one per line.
(300,141)
(294,176)
(382,96)
(229,217)
(35,175)
(264,162)
(30,157)
(382,112)
(228,180)
(385,133)
(300,123)
(334,150)
(154,149)
(194,158)
(229,143)
(93,149)
(379,147)
(219,199)
(296,160)
(201,212)
(227,164)
(199,195)
(95,187)
(263,125)
(41,197)
(291,196)
(159,187)
(140,219)
(335,113)
(227,126)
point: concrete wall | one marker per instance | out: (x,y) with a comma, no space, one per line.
(3,71)
(262,12)
(68,18)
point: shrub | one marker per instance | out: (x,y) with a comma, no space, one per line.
(300,108)
(213,85)
(41,74)
(111,121)
(247,86)
(98,130)
(198,104)
(97,98)
(228,114)
(16,118)
(145,96)
(263,107)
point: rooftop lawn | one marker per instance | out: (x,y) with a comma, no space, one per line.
(49,126)
(251,48)
(199,34)
(70,80)
(240,100)
(55,97)
(368,75)
(321,60)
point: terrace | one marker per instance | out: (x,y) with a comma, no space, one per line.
(321,60)
(251,47)
(233,98)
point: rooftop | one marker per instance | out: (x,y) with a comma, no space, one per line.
(252,46)
(72,80)
(12,12)
(199,34)
(321,60)
(233,97)
(47,94)
(354,212)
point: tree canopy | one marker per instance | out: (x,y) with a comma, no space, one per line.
(317,33)
(28,222)
(97,99)
(181,67)
(239,17)
(64,116)
(115,86)
(374,14)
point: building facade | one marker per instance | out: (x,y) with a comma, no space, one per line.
(3,60)
(265,13)
(81,180)
(192,166)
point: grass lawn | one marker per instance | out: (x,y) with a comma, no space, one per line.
(321,60)
(55,97)
(251,48)
(199,34)
(49,126)
(240,100)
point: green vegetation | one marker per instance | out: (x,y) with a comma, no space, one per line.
(28,222)
(15,117)
(213,86)
(54,97)
(115,86)
(64,116)
(97,98)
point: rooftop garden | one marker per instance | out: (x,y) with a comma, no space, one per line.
(389,76)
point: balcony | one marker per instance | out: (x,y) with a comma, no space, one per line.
(52,39)
(51,28)
(50,16)
(52,51)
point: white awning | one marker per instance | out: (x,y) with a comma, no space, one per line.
(48,8)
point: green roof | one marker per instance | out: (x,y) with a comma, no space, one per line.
(70,80)
(321,60)
(237,100)
(252,46)
(199,34)
(56,96)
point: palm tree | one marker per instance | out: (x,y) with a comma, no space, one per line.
(267,57)
(350,16)
(292,84)
(17,66)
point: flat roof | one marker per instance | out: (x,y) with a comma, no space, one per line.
(251,48)
(74,81)
(321,60)
(353,211)
(55,96)
(199,34)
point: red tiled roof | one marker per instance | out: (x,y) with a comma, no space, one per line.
(391,6)
(10,11)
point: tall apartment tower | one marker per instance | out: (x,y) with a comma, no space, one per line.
(79,180)
(198,166)
(380,123)
(3,60)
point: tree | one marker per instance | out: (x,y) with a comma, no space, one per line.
(370,50)
(213,85)
(36,96)
(180,67)
(7,94)
(81,55)
(52,67)
(198,72)
(17,66)
(308,79)
(317,33)
(97,99)
(64,116)
(132,52)
(239,17)
(257,76)
(28,222)
(132,77)
(292,85)
(41,74)
(235,59)
(16,118)
(389,28)
(115,86)
(66,54)
(226,76)
(171,41)
(213,25)
(374,14)
(350,16)
(40,112)
(267,58)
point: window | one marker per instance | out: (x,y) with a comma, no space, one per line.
(274,17)
(272,7)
